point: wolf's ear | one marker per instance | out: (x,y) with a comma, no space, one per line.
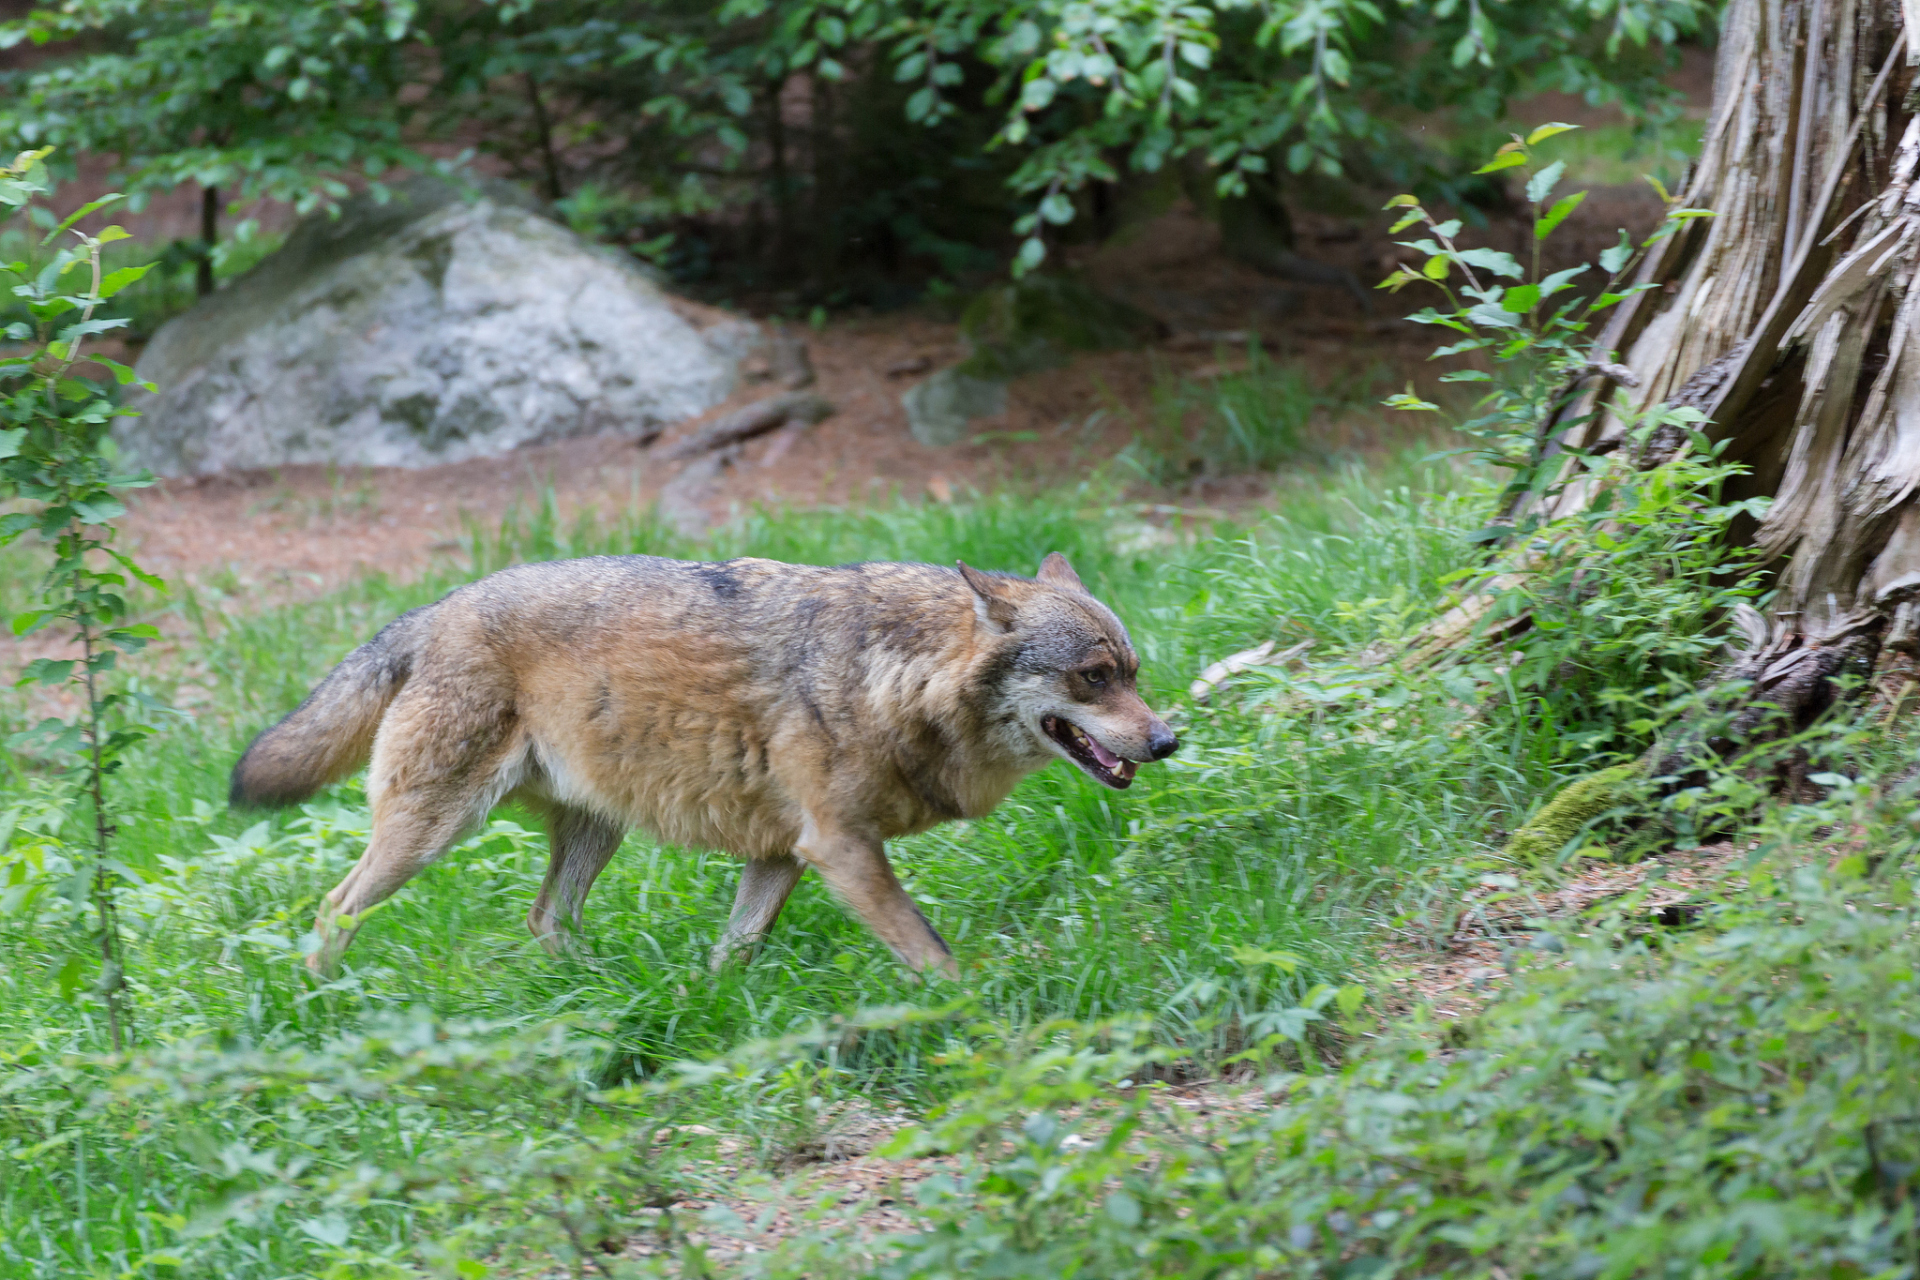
(990,601)
(1056,572)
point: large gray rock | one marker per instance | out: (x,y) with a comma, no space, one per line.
(432,328)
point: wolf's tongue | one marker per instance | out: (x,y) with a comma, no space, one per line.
(1107,759)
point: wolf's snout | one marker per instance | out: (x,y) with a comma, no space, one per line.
(1162,743)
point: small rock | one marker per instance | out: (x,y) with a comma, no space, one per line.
(788,361)
(941,410)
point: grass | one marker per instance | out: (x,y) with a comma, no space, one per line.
(1278,828)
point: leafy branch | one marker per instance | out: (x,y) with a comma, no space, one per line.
(1542,350)
(56,455)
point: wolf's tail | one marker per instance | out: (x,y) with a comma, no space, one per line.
(330,735)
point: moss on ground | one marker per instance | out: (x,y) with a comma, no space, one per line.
(1560,819)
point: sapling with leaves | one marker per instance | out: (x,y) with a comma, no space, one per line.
(1543,352)
(1606,609)
(55,455)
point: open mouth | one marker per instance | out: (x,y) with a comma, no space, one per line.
(1087,752)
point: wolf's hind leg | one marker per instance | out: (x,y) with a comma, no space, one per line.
(580,844)
(764,886)
(410,830)
(440,760)
(856,868)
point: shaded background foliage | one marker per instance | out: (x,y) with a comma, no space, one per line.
(844,150)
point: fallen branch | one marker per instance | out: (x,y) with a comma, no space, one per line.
(749,421)
(1261,655)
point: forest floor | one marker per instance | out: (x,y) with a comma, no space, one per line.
(304,529)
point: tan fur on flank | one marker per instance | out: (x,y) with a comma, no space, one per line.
(793,716)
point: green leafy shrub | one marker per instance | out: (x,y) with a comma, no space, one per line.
(1611,567)
(1614,614)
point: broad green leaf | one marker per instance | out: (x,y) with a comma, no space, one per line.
(152,580)
(1557,215)
(1123,1208)
(1542,132)
(122,374)
(1505,160)
(67,978)
(99,510)
(1560,280)
(1256,957)
(85,209)
(1493,315)
(46,671)
(115,281)
(132,639)
(1541,184)
(1612,260)
(1501,264)
(1521,298)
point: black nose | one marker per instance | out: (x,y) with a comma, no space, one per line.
(1161,743)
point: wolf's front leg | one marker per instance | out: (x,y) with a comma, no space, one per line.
(764,886)
(856,868)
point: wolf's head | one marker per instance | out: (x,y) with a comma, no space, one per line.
(1066,672)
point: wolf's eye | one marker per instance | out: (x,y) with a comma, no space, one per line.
(1096,677)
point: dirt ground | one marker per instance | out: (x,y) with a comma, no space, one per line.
(310,527)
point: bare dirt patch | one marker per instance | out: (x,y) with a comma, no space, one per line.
(1456,978)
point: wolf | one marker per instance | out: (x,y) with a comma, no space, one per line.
(791,715)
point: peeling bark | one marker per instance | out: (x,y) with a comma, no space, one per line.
(1792,320)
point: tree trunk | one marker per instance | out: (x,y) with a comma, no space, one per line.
(209,237)
(1792,321)
(781,251)
(551,186)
